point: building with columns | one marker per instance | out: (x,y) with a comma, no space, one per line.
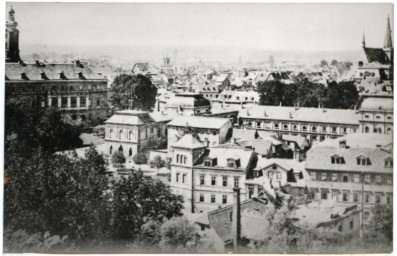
(74,88)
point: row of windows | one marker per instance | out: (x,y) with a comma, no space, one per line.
(181,159)
(344,177)
(238,97)
(178,177)
(361,160)
(356,197)
(389,130)
(121,135)
(212,199)
(236,181)
(120,150)
(43,88)
(304,128)
(73,102)
(378,117)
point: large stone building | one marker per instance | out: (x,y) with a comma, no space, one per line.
(205,177)
(342,170)
(73,88)
(130,131)
(316,124)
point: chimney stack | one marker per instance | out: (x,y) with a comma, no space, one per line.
(236,221)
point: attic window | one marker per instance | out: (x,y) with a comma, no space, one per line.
(43,76)
(62,75)
(337,160)
(24,76)
(389,162)
(233,163)
(81,76)
(208,161)
(362,160)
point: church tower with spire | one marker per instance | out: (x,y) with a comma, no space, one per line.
(12,38)
(388,45)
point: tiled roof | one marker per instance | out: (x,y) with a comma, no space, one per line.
(199,122)
(222,154)
(355,140)
(33,72)
(130,117)
(319,158)
(244,134)
(189,141)
(299,140)
(376,55)
(302,114)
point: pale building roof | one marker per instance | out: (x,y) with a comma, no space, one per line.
(356,140)
(319,158)
(199,122)
(223,154)
(377,103)
(188,141)
(302,114)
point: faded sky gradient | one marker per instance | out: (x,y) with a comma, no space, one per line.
(307,27)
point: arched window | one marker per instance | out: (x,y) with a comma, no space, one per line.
(121,135)
(111,134)
(177,158)
(130,135)
(130,152)
(111,150)
(366,129)
(389,130)
(121,148)
(184,159)
(379,130)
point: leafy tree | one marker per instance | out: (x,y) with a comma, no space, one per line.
(136,92)
(140,158)
(138,199)
(150,235)
(334,62)
(158,163)
(341,95)
(118,159)
(56,194)
(324,63)
(176,233)
(380,226)
(39,128)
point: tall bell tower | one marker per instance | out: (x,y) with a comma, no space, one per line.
(12,38)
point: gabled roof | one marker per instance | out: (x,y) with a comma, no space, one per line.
(189,141)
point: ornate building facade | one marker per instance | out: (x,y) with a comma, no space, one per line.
(73,88)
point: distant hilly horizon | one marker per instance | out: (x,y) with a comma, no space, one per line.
(189,54)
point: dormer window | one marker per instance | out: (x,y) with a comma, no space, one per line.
(62,75)
(389,162)
(233,162)
(208,161)
(24,76)
(81,76)
(335,159)
(363,160)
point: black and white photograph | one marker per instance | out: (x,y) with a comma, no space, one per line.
(198,127)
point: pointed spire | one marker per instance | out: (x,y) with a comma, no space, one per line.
(388,40)
(363,39)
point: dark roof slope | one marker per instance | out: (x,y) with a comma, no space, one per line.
(376,55)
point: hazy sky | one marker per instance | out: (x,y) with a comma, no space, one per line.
(318,27)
